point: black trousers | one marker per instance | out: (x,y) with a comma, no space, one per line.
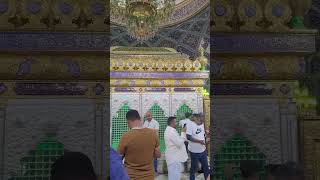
(186,144)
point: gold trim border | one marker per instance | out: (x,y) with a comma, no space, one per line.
(146,90)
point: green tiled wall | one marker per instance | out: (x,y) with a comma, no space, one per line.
(37,164)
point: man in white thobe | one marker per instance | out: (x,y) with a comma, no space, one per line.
(175,152)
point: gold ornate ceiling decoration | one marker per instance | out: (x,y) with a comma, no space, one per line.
(183,10)
(142,16)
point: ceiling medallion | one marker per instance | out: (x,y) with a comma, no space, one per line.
(142,17)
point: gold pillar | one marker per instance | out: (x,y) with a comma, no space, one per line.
(3,106)
(206,110)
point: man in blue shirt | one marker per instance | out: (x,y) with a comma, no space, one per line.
(117,170)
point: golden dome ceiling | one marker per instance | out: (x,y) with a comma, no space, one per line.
(183,10)
(185,37)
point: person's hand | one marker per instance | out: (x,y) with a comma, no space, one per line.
(207,132)
(203,142)
(157,149)
(184,129)
(207,140)
(157,152)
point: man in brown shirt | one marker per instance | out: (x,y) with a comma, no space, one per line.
(139,146)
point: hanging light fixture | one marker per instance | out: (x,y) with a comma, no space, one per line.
(142,17)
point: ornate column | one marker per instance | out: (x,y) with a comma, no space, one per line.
(3,104)
(289,129)
(317,159)
(99,107)
(100,95)
(106,134)
(206,110)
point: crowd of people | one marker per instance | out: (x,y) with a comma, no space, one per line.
(77,166)
(140,147)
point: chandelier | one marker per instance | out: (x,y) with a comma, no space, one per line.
(142,17)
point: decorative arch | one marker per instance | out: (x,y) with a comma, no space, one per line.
(118,99)
(162,99)
(180,114)
(159,115)
(235,150)
(193,100)
(119,125)
(37,164)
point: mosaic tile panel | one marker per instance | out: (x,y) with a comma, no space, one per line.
(190,99)
(118,99)
(161,118)
(162,99)
(256,119)
(28,121)
(119,125)
(38,162)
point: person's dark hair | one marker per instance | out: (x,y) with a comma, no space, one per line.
(73,165)
(133,115)
(170,119)
(250,168)
(196,115)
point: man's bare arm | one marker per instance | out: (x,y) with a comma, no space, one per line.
(190,138)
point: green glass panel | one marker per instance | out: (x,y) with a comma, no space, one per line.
(180,114)
(119,125)
(35,164)
(158,115)
(233,151)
